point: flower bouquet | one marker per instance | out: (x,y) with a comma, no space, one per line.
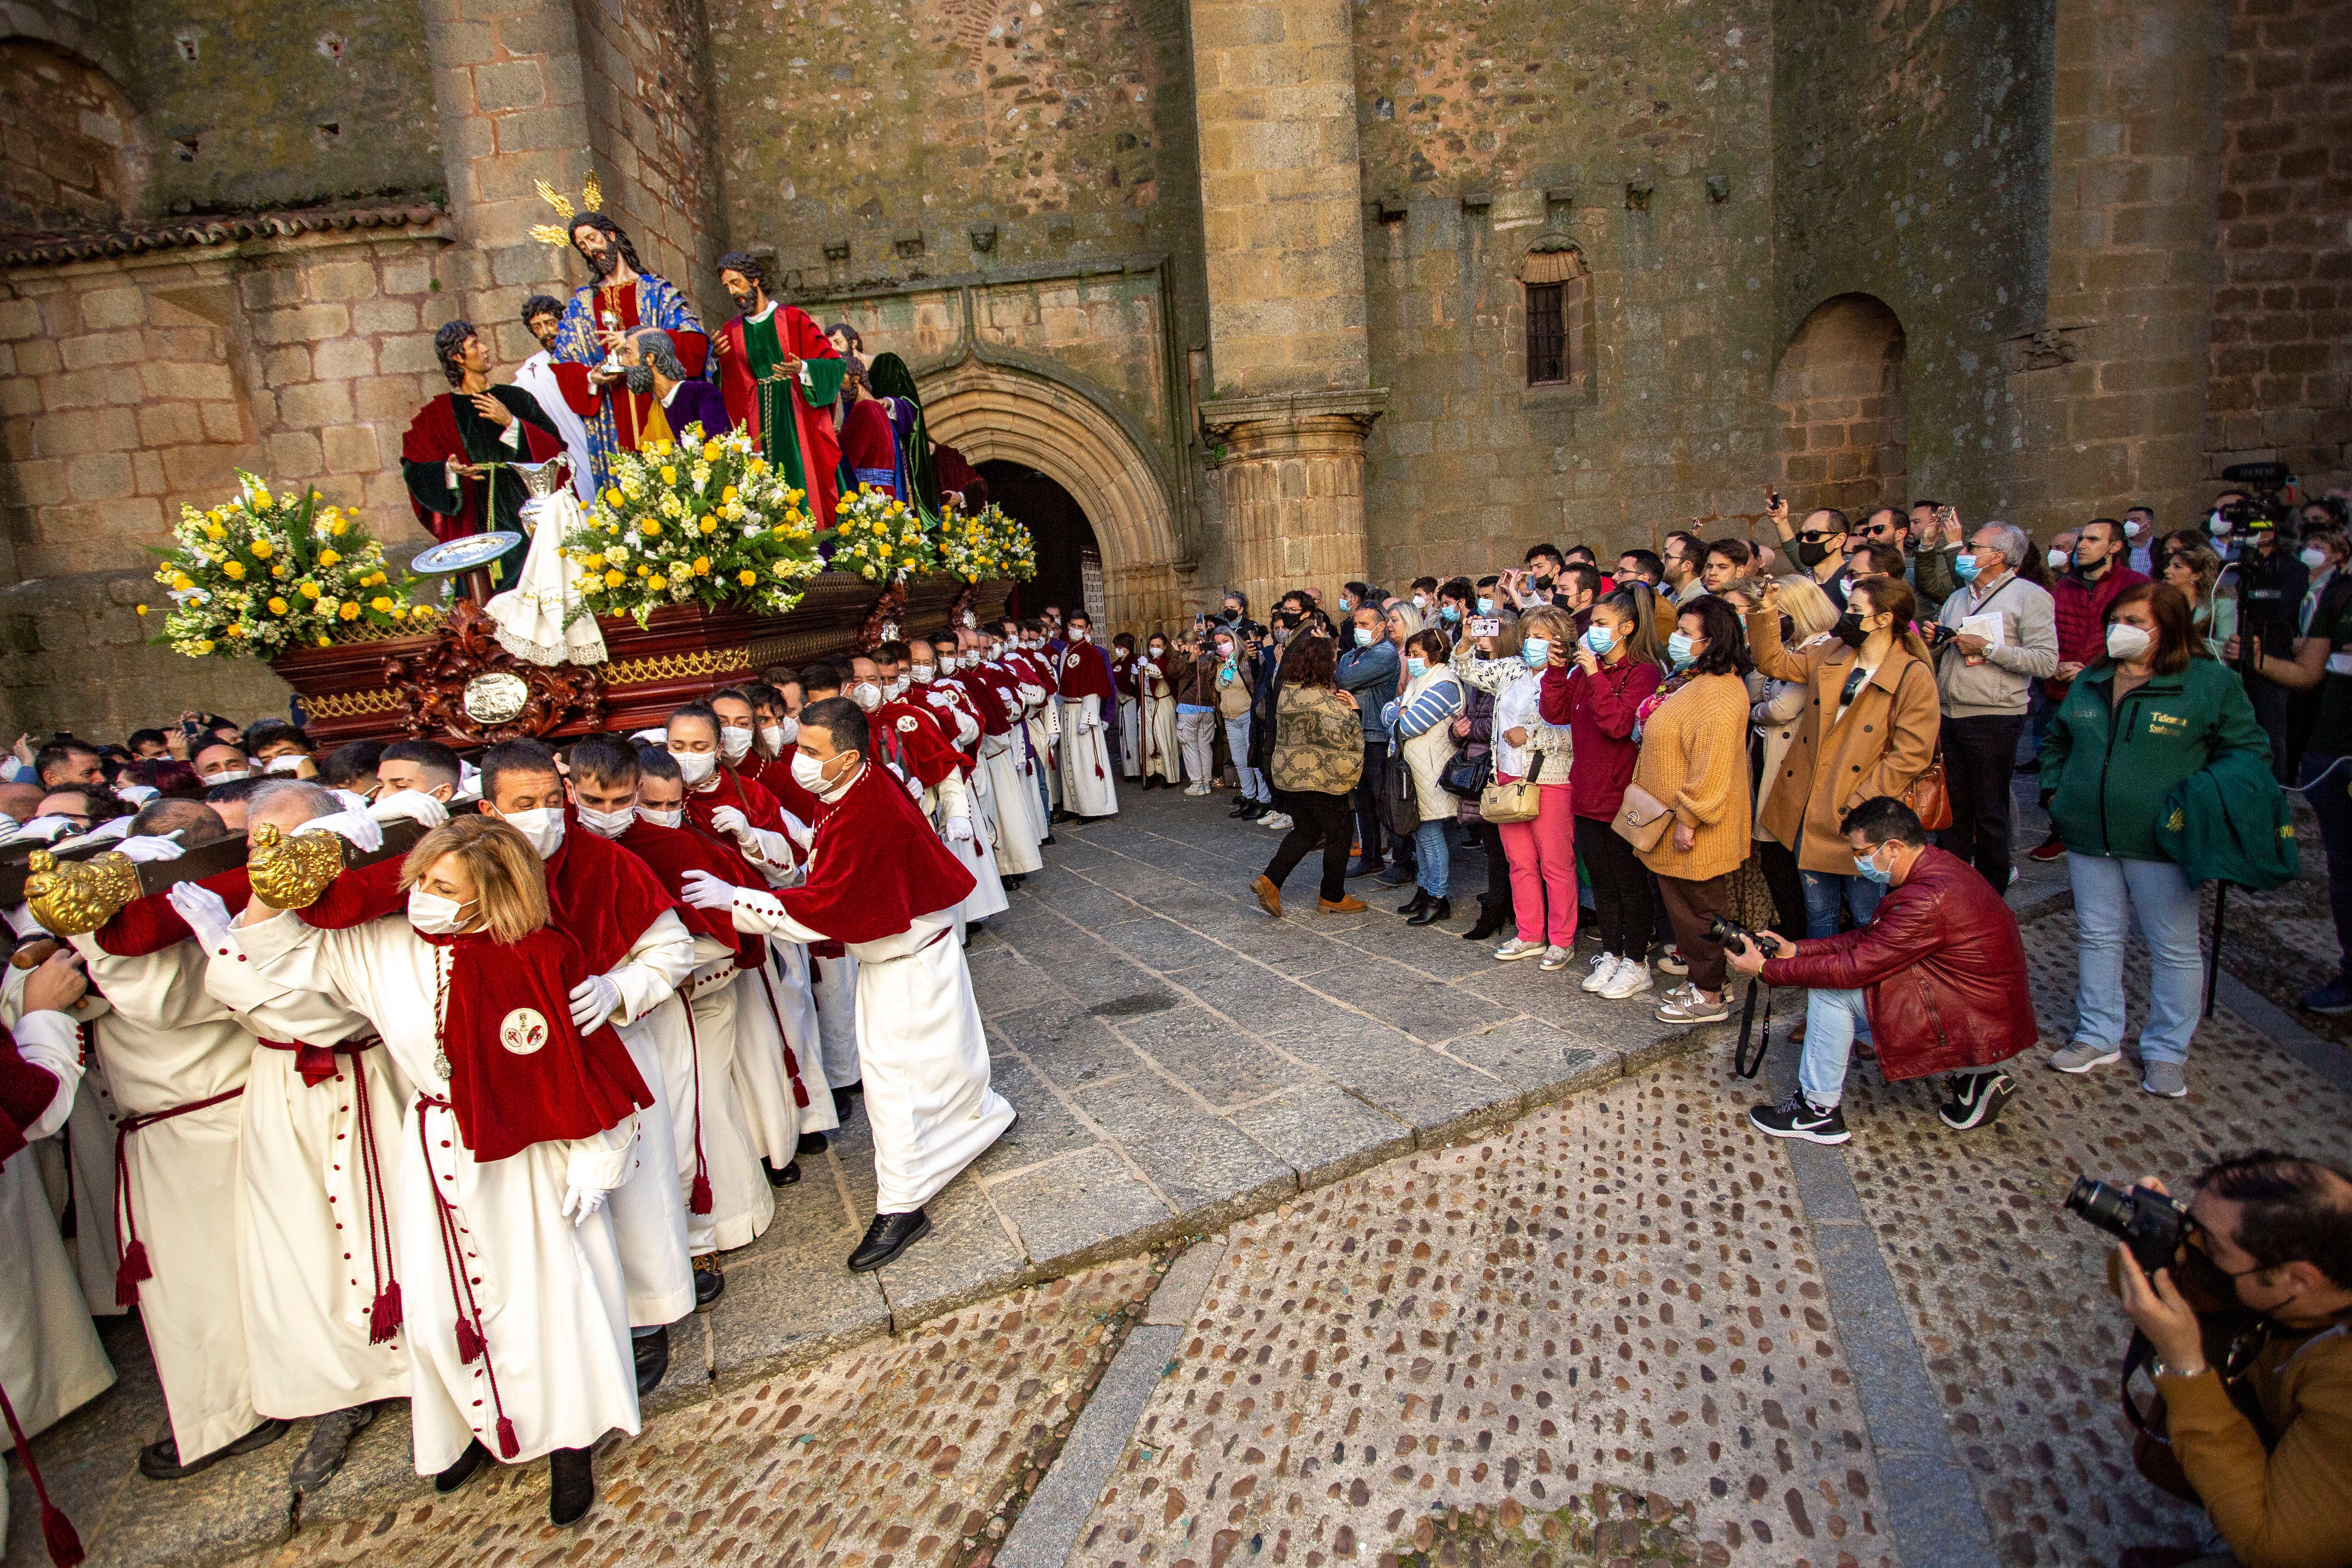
(262,574)
(987,544)
(705,521)
(879,538)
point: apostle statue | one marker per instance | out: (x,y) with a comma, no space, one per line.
(541,314)
(781,376)
(674,399)
(459,445)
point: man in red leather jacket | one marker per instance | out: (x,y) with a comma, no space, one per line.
(1936,981)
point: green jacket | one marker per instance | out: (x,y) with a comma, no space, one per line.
(2230,822)
(2110,771)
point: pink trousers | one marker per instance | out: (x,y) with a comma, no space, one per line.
(1543,870)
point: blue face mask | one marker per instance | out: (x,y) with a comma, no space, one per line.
(1485,606)
(1599,640)
(1863,867)
(1416,667)
(1964,567)
(1681,649)
(1536,652)
(1450,613)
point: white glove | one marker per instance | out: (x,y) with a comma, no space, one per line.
(142,850)
(579,1202)
(138,795)
(956,830)
(733,823)
(705,891)
(50,828)
(594,1000)
(202,908)
(356,827)
(409,805)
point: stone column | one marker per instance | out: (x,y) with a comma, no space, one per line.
(1282,225)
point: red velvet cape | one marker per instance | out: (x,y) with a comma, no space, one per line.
(876,865)
(151,924)
(433,438)
(1083,674)
(25,1091)
(774,774)
(913,741)
(670,853)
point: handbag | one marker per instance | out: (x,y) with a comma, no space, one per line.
(1928,798)
(1521,800)
(1468,773)
(1642,819)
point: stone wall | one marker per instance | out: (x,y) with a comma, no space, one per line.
(2282,356)
(70,154)
(650,114)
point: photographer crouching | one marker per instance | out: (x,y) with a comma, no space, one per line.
(2251,1327)
(1934,980)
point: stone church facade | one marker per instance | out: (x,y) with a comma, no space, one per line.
(1275,290)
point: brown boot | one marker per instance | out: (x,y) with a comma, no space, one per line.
(1269,896)
(1348,905)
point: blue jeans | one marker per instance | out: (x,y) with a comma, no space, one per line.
(1237,741)
(1826,891)
(1833,1020)
(2165,905)
(2333,805)
(1431,858)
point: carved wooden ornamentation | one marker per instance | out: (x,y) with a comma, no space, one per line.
(464,686)
(883,625)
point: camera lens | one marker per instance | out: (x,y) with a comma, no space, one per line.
(2104,1207)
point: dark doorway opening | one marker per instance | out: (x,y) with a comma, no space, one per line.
(1065,541)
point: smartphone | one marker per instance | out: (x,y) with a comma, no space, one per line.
(1485,625)
(1772,499)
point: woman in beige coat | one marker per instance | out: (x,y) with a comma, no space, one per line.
(1870,729)
(1778,710)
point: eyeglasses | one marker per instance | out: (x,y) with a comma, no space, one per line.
(1815,535)
(1877,530)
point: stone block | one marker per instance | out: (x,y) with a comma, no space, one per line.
(351,450)
(508,85)
(1076,1209)
(201,468)
(343,358)
(224,421)
(36,356)
(408,354)
(295,454)
(287,366)
(89,350)
(20,319)
(387,398)
(169,425)
(302,323)
(106,309)
(315,403)
(342,279)
(100,475)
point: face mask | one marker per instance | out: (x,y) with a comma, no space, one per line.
(2314,558)
(773,736)
(542,824)
(734,741)
(807,772)
(898,688)
(1865,868)
(285,762)
(1450,615)
(433,914)
(1681,649)
(1813,552)
(1599,640)
(1964,567)
(2126,643)
(1416,667)
(920,674)
(2218,525)
(228,775)
(1849,630)
(1366,636)
(663,817)
(866,695)
(607,823)
(1225,651)
(1077,634)
(1158,652)
(694,767)
(2057,559)
(1420,602)
(1486,606)
(1536,652)
(2131,531)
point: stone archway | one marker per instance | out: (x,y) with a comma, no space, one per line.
(1840,388)
(995,412)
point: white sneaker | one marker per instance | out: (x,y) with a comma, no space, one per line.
(1515,949)
(1275,820)
(1604,970)
(1632,978)
(1556,959)
(1196,789)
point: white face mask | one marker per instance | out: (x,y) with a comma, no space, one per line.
(2126,643)
(775,737)
(1420,601)
(542,824)
(2216,525)
(1077,634)
(809,774)
(2059,560)
(920,674)
(434,915)
(662,817)
(2131,531)
(2314,558)
(286,763)
(896,688)
(949,664)
(866,695)
(694,767)
(1158,652)
(607,823)
(734,741)
(228,775)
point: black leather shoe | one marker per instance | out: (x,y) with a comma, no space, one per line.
(1048,841)
(330,1441)
(710,1281)
(788,1176)
(653,1358)
(1062,816)
(810,1143)
(1243,807)
(1415,904)
(888,1236)
(845,1100)
(1431,912)
(1362,866)
(161,1461)
(457,1475)
(571,1486)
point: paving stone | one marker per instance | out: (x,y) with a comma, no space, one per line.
(1433,1094)
(1049,1525)
(969,1255)
(1413,1003)
(1219,1063)
(1003,980)
(1045,1128)
(1069,1045)
(1078,1207)
(1204,1167)
(1324,1131)
(1185,1282)
(1538,1059)
(809,1307)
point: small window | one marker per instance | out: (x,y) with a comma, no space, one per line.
(1547,334)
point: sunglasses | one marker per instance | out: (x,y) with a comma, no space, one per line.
(1815,535)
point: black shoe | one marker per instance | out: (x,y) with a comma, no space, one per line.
(2032,767)
(457,1475)
(1976,1099)
(1364,866)
(1798,1117)
(330,1440)
(888,1236)
(842,1097)
(161,1461)
(1063,817)
(788,1176)
(1431,912)
(1008,883)
(1415,904)
(1048,841)
(710,1281)
(571,1486)
(1243,807)
(1494,916)
(651,1351)
(810,1143)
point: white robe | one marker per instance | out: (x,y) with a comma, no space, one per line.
(924,1056)
(1131,738)
(742,1202)
(553,1306)
(76,1165)
(773,1009)
(166,1043)
(648,1210)
(1159,744)
(833,986)
(536,375)
(1089,783)
(50,1360)
(1013,794)
(978,852)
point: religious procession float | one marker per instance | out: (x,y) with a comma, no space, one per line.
(697,564)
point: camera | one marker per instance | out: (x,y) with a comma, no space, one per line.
(1939,633)
(2259,509)
(2153,1225)
(1728,935)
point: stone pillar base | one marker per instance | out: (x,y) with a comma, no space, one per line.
(1293,469)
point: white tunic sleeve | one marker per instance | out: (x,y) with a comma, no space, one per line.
(161,991)
(51,1042)
(658,962)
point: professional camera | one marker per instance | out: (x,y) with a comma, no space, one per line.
(2152,1224)
(1730,937)
(2264,506)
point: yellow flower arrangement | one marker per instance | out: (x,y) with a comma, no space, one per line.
(879,538)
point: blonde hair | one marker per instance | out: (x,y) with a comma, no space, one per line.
(1809,609)
(509,879)
(1549,622)
(1407,617)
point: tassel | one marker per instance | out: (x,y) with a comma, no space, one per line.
(700,1201)
(127,1275)
(385,1316)
(469,1341)
(64,1546)
(508,1446)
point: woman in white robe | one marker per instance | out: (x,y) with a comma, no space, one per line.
(1160,759)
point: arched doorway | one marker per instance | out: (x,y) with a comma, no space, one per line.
(1840,388)
(1066,546)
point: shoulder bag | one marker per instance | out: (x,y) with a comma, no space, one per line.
(1927,795)
(1469,773)
(1499,802)
(1642,819)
